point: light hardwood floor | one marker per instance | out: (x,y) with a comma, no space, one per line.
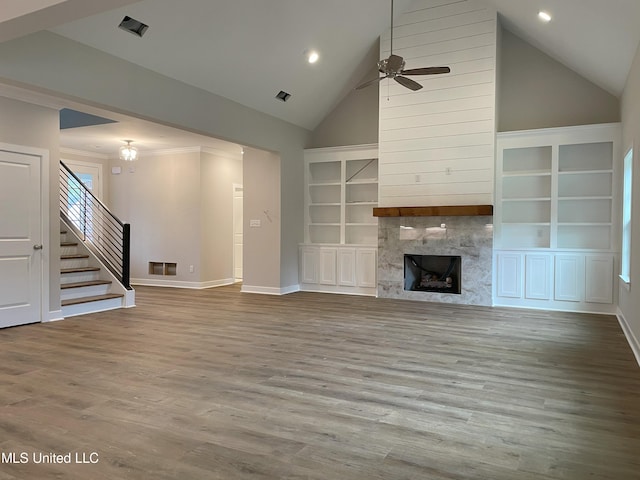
(216,384)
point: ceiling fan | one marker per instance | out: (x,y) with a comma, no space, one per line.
(393,67)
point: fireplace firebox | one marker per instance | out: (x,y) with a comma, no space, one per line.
(433,273)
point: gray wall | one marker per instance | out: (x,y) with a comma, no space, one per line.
(354,121)
(33,126)
(629,300)
(536,91)
(69,69)
(180,208)
(161,201)
(261,202)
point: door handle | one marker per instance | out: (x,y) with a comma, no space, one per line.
(37,247)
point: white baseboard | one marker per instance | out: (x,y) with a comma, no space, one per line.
(218,283)
(290,289)
(628,333)
(129,299)
(339,290)
(54,316)
(270,290)
(181,284)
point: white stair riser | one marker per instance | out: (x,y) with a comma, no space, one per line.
(74,263)
(78,277)
(68,250)
(91,307)
(92,291)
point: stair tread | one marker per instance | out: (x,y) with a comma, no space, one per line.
(68,244)
(72,257)
(79,270)
(96,298)
(91,283)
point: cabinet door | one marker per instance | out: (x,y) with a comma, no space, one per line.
(328,266)
(599,278)
(569,278)
(537,277)
(366,267)
(309,264)
(509,275)
(347,267)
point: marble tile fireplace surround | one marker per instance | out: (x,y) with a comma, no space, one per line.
(470,237)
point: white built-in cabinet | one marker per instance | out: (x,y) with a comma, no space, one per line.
(556,220)
(339,253)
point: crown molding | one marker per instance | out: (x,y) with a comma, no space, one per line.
(83,153)
(184,150)
(222,153)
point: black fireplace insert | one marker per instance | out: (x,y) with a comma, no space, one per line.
(433,273)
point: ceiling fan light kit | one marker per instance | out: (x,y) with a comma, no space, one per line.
(393,67)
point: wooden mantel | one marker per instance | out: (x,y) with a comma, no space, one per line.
(436,211)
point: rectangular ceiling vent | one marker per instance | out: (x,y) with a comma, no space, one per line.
(132,25)
(283,96)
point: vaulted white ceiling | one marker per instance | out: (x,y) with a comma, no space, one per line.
(248,50)
(596,38)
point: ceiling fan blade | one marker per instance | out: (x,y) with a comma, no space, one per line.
(395,63)
(426,71)
(407,82)
(370,82)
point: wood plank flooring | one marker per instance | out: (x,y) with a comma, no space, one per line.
(215,384)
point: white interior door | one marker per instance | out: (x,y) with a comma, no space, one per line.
(20,239)
(237,231)
(90,174)
(80,208)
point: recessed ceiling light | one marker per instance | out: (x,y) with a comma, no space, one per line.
(312,56)
(544,16)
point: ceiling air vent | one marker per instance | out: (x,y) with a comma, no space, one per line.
(283,96)
(132,25)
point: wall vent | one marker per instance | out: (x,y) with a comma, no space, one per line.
(134,26)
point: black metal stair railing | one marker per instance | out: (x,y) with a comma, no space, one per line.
(101,231)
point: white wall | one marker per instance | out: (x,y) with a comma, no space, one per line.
(33,126)
(218,173)
(69,69)
(536,91)
(437,144)
(629,300)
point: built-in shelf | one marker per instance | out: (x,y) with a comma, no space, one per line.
(436,211)
(560,180)
(342,189)
(555,229)
(339,254)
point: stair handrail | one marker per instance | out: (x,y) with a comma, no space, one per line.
(111,243)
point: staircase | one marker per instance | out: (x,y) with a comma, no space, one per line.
(94,252)
(84,286)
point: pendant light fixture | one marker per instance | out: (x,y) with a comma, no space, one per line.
(128,153)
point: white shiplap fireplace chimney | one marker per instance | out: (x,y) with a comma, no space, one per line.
(437,148)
